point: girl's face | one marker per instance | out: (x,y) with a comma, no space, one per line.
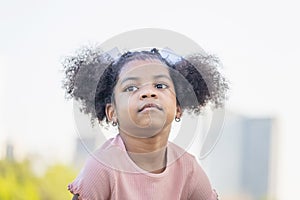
(145,99)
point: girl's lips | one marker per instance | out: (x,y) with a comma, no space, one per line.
(149,105)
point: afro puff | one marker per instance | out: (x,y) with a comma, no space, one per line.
(91,75)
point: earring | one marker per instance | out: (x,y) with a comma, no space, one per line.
(115,123)
(177,119)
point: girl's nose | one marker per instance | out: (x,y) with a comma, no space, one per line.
(148,93)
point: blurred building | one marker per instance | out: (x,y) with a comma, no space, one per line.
(12,150)
(9,153)
(243,163)
(89,137)
(82,149)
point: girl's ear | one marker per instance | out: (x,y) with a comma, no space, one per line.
(178,112)
(110,112)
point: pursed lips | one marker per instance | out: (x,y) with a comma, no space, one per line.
(149,105)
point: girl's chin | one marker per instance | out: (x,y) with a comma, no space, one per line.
(144,132)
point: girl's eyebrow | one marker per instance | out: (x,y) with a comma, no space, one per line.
(129,78)
(162,76)
(137,78)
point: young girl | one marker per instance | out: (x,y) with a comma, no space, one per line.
(142,93)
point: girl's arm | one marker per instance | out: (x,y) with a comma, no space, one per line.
(200,185)
(75,197)
(93,181)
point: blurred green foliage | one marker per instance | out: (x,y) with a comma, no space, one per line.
(18,182)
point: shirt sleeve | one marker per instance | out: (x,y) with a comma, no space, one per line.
(196,195)
(200,185)
(93,182)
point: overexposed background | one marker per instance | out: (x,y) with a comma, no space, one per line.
(257,42)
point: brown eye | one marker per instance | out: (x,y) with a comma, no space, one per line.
(161,86)
(131,89)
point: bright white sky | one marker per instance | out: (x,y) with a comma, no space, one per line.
(257,41)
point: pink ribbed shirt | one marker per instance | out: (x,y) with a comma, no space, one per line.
(109,173)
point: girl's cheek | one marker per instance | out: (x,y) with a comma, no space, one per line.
(126,101)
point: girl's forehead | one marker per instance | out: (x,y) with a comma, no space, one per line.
(144,67)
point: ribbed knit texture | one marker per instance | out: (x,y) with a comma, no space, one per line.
(109,173)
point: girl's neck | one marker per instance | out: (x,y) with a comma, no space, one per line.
(144,145)
(148,153)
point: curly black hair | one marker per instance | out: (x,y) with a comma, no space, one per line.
(91,75)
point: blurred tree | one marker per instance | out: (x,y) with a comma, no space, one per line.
(54,184)
(18,182)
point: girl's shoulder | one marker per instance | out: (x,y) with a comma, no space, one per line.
(97,173)
(111,156)
(176,153)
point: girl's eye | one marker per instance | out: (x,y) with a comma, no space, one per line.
(131,89)
(161,86)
